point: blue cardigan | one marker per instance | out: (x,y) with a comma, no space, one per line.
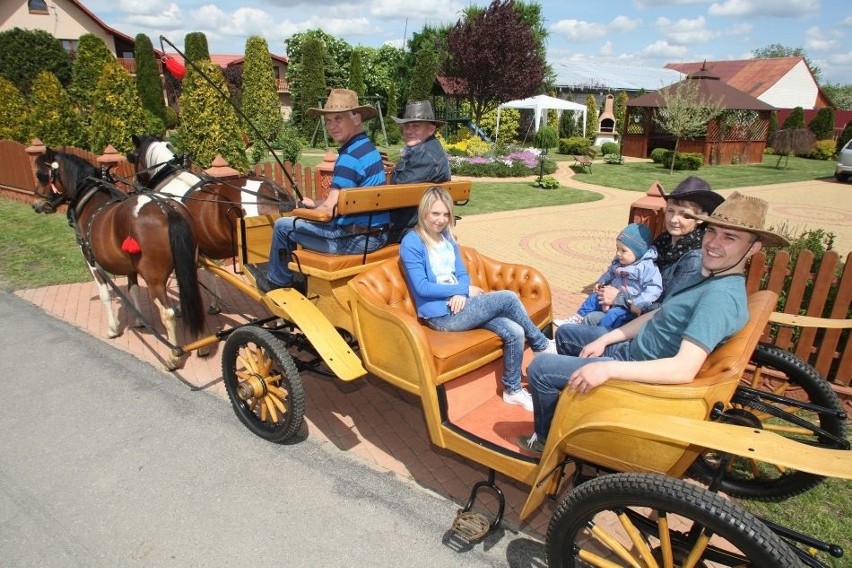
(429,297)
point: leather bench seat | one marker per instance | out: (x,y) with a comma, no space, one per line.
(304,259)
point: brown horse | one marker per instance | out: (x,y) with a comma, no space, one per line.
(214,204)
(144,235)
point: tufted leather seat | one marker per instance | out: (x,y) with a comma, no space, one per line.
(381,295)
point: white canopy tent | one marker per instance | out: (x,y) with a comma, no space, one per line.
(539,103)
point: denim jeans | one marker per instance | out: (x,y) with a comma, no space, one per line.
(320,237)
(549,374)
(593,313)
(502,313)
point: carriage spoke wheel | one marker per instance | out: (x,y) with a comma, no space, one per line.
(642,520)
(263,384)
(779,372)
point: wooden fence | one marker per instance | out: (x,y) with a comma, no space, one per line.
(804,289)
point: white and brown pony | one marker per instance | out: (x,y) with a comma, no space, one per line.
(145,235)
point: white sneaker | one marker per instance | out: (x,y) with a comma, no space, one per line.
(576,319)
(550,349)
(520,397)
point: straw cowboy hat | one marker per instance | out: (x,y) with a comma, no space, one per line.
(419,111)
(744,213)
(695,190)
(344,100)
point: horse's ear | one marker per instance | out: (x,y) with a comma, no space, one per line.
(131,157)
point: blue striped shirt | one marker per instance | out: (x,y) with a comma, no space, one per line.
(359,164)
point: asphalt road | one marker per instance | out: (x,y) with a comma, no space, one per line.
(106,461)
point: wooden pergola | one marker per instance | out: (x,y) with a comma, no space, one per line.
(737,136)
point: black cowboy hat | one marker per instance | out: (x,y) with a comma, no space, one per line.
(697,191)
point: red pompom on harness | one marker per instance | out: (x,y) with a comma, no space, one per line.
(131,246)
(174,66)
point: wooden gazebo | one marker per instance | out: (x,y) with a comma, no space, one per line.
(737,136)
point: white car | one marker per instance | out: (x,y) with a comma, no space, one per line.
(843,171)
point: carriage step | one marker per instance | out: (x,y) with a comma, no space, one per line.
(470,526)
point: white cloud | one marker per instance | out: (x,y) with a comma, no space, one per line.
(417,12)
(685,31)
(663,49)
(841,59)
(847,21)
(166,18)
(815,40)
(606,49)
(579,30)
(624,24)
(764,8)
(659,3)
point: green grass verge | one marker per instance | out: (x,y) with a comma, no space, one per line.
(638,176)
(490,197)
(822,512)
(38,250)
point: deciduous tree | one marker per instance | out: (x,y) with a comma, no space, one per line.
(496,56)
(686,113)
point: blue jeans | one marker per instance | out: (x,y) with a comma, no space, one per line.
(594,313)
(548,374)
(502,313)
(321,237)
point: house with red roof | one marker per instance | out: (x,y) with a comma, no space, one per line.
(783,82)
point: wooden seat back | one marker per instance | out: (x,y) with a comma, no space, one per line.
(715,383)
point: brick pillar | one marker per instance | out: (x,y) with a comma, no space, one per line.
(650,209)
(219,168)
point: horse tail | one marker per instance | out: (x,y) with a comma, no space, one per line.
(182,242)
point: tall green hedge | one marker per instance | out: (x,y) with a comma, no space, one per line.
(260,102)
(314,88)
(148,82)
(117,111)
(26,53)
(195,46)
(14,110)
(53,118)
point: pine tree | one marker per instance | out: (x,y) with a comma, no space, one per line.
(117,111)
(620,112)
(148,82)
(209,125)
(53,118)
(356,74)
(195,47)
(260,102)
(313,89)
(14,110)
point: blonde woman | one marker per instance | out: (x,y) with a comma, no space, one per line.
(446,301)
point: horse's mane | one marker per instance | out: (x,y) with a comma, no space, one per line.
(74,167)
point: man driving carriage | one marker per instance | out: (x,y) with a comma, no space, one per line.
(358,164)
(668,345)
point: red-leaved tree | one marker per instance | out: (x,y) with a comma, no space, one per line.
(494,57)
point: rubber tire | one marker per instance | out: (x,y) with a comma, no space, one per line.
(791,482)
(841,177)
(290,421)
(567,529)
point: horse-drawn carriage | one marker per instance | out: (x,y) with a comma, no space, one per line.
(624,448)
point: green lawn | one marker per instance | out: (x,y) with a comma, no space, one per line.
(638,176)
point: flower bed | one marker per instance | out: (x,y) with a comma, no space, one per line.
(517,163)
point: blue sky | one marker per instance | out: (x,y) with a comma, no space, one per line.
(645,33)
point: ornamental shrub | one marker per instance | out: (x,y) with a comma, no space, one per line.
(53,118)
(546,138)
(288,144)
(683,160)
(116,111)
(823,150)
(574,145)
(658,155)
(610,148)
(548,182)
(822,124)
(13,113)
(613,159)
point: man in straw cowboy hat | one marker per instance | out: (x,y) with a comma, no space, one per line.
(358,164)
(423,158)
(668,345)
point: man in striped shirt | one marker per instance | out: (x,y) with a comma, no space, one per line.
(358,164)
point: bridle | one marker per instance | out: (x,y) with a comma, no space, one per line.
(56,196)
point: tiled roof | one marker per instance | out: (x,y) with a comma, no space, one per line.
(753,76)
(711,88)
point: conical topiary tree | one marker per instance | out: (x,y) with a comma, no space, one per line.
(14,110)
(148,82)
(117,111)
(356,73)
(26,53)
(195,47)
(92,56)
(424,73)
(591,117)
(53,117)
(794,120)
(260,96)
(822,124)
(209,125)
(314,89)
